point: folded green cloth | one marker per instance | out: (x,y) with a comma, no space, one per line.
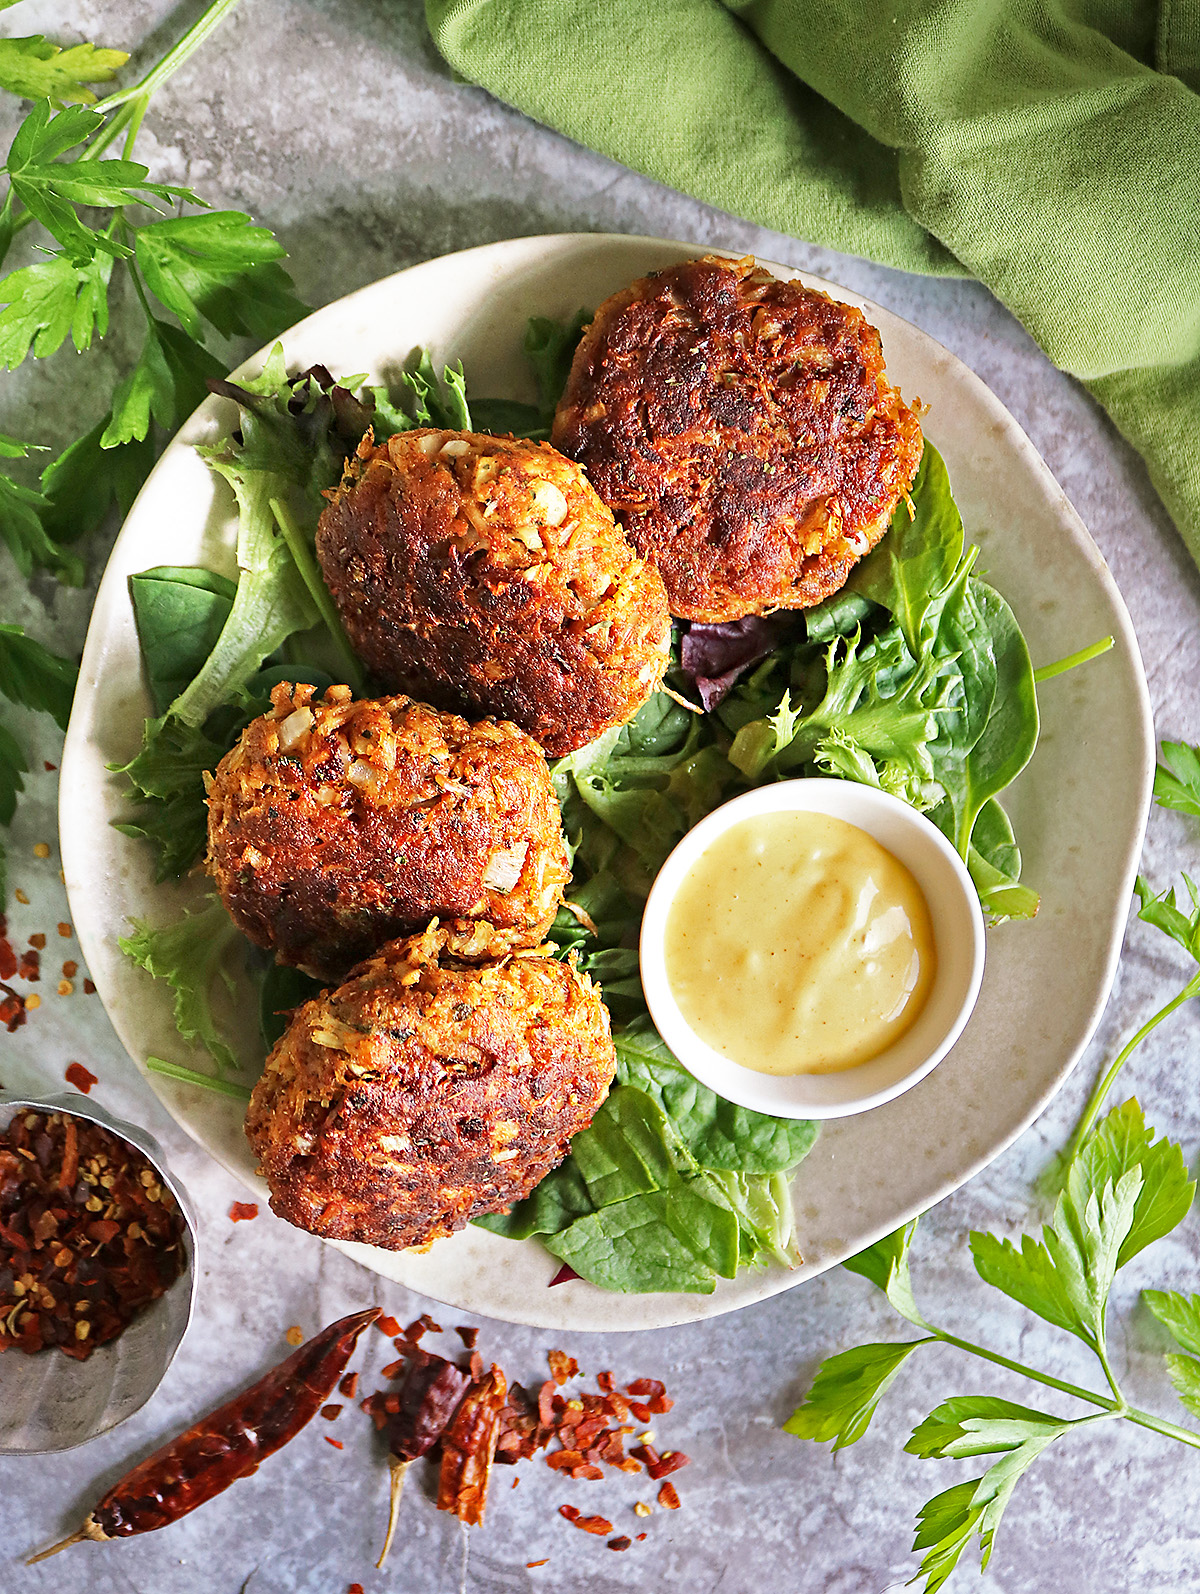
(1050,148)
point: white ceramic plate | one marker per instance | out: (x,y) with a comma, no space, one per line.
(1079,809)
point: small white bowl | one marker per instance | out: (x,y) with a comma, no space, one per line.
(958,934)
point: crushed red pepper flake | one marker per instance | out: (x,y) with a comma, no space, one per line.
(349,1386)
(606,1383)
(394,1369)
(12,1009)
(562,1366)
(668,1497)
(564,1275)
(88,1234)
(336,1443)
(21,897)
(388,1326)
(621,1543)
(64,929)
(468,1336)
(30,966)
(531,1564)
(89,988)
(243,1211)
(82,1078)
(38,940)
(659,1466)
(355,1588)
(294,1335)
(639,1537)
(70,969)
(332,1412)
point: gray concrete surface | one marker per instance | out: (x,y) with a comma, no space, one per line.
(336,124)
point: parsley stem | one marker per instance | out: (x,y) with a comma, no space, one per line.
(1114,1408)
(1096,1100)
(1061,666)
(190,1076)
(191,41)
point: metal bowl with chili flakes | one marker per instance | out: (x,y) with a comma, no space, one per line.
(97,1271)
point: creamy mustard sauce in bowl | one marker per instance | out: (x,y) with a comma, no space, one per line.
(797,944)
(812,949)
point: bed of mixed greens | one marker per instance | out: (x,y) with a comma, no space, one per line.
(914,678)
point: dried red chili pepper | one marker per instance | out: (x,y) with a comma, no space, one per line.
(228,1444)
(431,1395)
(659,1466)
(469,1447)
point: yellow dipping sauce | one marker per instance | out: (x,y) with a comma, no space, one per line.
(796,944)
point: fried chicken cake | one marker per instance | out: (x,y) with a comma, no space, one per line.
(337,825)
(428,1089)
(484,574)
(742,431)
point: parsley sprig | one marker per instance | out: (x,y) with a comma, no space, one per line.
(31,677)
(196,274)
(1124,1190)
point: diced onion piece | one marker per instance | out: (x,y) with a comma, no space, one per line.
(430,443)
(294,728)
(455,447)
(504,868)
(550,502)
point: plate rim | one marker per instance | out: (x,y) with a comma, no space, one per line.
(676,1308)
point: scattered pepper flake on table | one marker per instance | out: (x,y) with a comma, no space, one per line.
(331,1413)
(349,1386)
(88,1235)
(64,929)
(562,1366)
(668,1497)
(70,969)
(621,1543)
(468,1336)
(30,966)
(38,940)
(12,1008)
(388,1326)
(89,988)
(228,1444)
(243,1211)
(21,897)
(336,1443)
(41,849)
(82,1078)
(531,1564)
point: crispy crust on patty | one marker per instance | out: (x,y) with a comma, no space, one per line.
(336,825)
(427,1090)
(484,573)
(742,431)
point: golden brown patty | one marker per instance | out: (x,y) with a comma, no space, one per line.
(335,826)
(428,1090)
(483,573)
(741,430)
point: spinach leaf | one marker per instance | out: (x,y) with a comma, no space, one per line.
(282,990)
(718,1133)
(994,860)
(919,554)
(179,613)
(500,416)
(557,1201)
(1010,735)
(663,1240)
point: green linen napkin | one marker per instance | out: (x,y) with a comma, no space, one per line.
(1050,148)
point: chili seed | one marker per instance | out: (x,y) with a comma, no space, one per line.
(41,849)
